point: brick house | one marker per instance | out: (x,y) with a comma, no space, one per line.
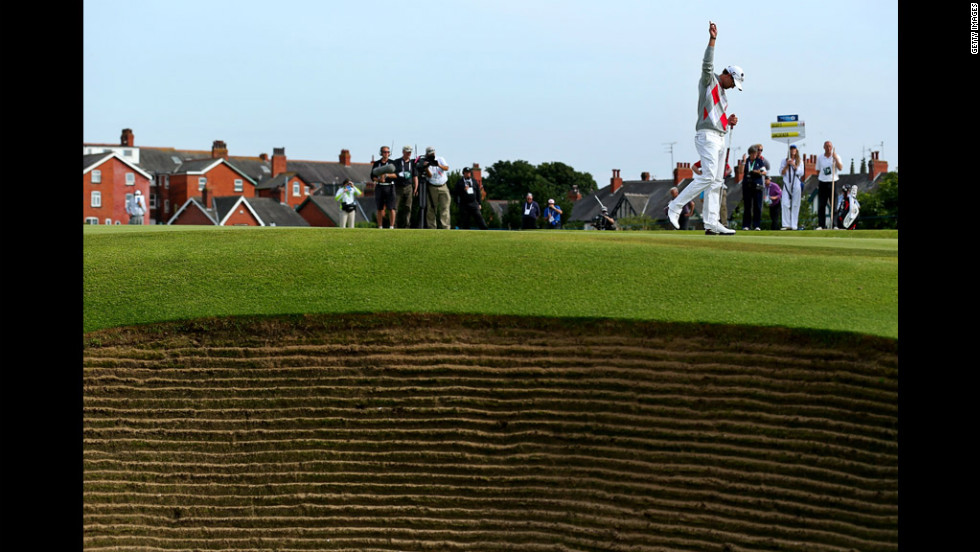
(236,211)
(321,210)
(209,178)
(288,188)
(108,182)
(175,174)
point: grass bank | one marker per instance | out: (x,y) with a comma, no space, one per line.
(844,281)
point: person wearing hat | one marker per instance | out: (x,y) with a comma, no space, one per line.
(468,197)
(383,175)
(348,209)
(713,123)
(603,221)
(792,170)
(406,187)
(553,214)
(530,213)
(136,207)
(436,172)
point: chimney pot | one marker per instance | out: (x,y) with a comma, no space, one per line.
(219,149)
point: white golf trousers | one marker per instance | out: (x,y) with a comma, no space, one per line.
(711,148)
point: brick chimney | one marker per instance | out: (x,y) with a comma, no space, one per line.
(219,149)
(478,176)
(682,171)
(127,137)
(876,166)
(264,157)
(278,161)
(615,182)
(573,194)
(809,166)
(345,157)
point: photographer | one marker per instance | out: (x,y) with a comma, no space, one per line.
(436,172)
(406,187)
(345,195)
(603,221)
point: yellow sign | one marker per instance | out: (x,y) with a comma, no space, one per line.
(788,131)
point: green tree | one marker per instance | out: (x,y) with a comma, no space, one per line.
(512,180)
(879,209)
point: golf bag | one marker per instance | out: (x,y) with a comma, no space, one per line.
(847,212)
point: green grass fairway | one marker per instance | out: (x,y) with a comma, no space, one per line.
(846,281)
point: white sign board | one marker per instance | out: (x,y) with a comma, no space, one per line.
(788,128)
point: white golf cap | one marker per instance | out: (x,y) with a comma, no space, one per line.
(737,75)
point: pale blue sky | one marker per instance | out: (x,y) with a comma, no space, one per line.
(597,85)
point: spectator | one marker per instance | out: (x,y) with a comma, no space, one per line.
(406,187)
(468,194)
(136,207)
(686,211)
(436,172)
(348,208)
(752,184)
(553,213)
(765,161)
(529,219)
(829,166)
(383,175)
(774,197)
(792,170)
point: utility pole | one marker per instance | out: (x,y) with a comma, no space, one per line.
(670,148)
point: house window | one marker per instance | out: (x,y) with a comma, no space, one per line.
(108,221)
(166,206)
(130,179)
(296,189)
(96,177)
(166,181)
(201,183)
(91,220)
(96,199)
(153,201)
(238,185)
(127,153)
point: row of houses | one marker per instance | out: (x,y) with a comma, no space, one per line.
(204,187)
(215,188)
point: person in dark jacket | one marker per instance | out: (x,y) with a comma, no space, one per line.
(468,195)
(531,212)
(752,184)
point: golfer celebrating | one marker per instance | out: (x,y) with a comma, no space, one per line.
(709,140)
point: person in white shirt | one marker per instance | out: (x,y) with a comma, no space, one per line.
(136,208)
(348,209)
(436,171)
(828,172)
